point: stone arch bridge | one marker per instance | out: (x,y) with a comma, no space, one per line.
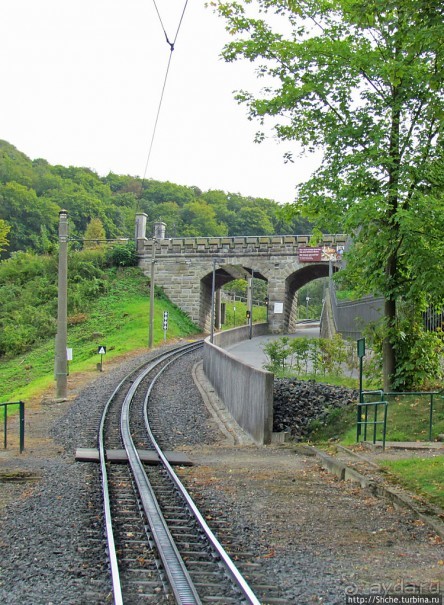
(184,268)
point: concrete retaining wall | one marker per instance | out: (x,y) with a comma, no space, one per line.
(246,391)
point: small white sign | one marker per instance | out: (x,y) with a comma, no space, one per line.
(278,307)
(101,350)
(68,354)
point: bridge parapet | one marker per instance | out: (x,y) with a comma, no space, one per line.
(275,245)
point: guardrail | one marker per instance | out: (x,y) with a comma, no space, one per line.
(21,406)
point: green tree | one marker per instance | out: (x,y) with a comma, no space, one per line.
(26,214)
(170,214)
(363,82)
(218,200)
(94,234)
(200,219)
(14,165)
(159,192)
(4,230)
(252,220)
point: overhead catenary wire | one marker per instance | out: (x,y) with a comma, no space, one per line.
(171,45)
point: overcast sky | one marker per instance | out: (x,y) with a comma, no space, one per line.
(81,82)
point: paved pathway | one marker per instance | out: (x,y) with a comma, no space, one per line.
(252,353)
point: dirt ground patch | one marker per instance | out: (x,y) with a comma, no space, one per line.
(329,530)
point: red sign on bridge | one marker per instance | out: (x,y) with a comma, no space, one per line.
(309,255)
(315,255)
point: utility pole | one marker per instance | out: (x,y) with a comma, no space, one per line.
(151,322)
(61,363)
(213,288)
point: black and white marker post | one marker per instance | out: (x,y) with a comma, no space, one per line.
(165,324)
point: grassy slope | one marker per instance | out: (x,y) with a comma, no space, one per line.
(118,320)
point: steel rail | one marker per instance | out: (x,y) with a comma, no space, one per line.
(226,560)
(113,562)
(177,573)
(114,566)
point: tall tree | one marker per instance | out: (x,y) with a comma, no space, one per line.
(362,80)
(25,213)
(4,230)
(200,219)
(94,234)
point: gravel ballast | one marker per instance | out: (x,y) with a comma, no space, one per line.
(317,538)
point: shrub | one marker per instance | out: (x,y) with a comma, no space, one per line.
(122,255)
(319,354)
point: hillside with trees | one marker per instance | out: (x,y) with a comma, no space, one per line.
(32,192)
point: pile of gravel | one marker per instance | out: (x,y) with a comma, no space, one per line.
(298,402)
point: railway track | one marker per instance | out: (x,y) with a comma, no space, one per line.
(160,547)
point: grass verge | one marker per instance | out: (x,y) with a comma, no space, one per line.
(423,476)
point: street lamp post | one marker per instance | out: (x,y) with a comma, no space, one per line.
(61,363)
(221,261)
(307,301)
(251,305)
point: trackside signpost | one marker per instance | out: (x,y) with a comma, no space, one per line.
(165,324)
(101,350)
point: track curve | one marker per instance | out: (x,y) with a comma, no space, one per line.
(192,566)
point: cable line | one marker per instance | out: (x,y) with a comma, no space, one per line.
(171,45)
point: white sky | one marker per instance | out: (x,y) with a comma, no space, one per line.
(81,82)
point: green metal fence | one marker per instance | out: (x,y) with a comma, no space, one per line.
(423,407)
(366,419)
(12,406)
(424,403)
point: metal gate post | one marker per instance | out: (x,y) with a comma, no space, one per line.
(22,426)
(375,420)
(384,426)
(5,428)
(431,417)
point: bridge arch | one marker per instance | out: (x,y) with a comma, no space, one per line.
(223,274)
(294,282)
